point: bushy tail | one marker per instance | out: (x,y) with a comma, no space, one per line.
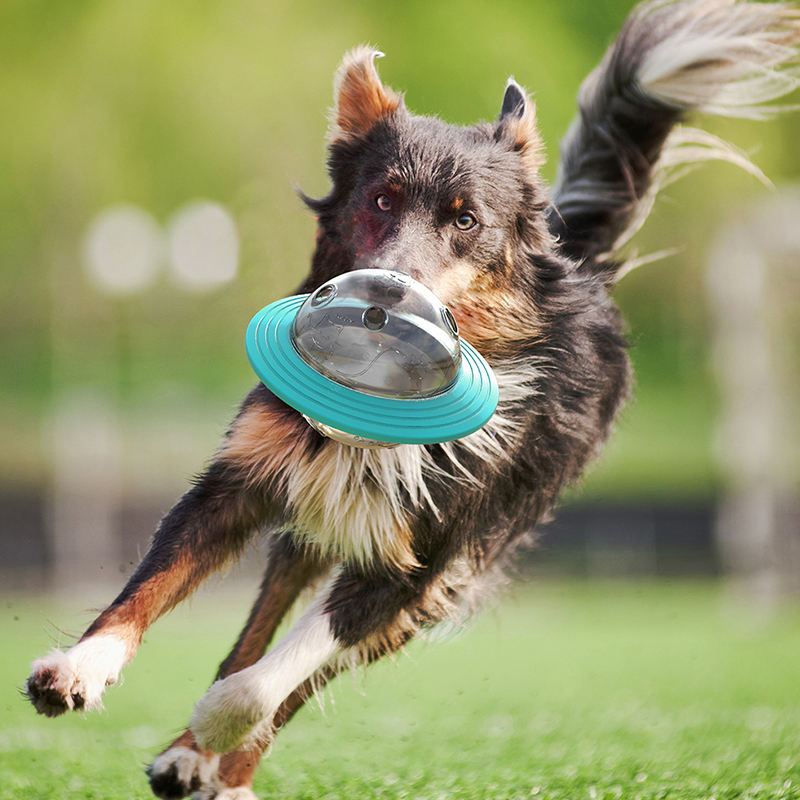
(672,57)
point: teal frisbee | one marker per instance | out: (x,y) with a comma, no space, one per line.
(373,358)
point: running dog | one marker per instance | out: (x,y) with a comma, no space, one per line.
(397,540)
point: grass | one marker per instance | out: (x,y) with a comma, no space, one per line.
(595,691)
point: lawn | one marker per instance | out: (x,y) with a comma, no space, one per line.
(569,690)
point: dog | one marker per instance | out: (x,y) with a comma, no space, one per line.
(397,540)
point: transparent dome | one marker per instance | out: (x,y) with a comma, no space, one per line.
(379,332)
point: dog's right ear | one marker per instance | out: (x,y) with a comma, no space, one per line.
(517,126)
(360,98)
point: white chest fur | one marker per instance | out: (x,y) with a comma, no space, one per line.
(354,504)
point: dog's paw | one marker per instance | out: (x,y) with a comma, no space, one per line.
(225,793)
(179,771)
(76,680)
(229,715)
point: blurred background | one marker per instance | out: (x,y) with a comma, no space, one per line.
(149,155)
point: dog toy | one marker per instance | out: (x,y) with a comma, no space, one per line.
(373,358)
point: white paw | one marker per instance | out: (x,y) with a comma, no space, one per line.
(227,793)
(226,716)
(181,770)
(76,680)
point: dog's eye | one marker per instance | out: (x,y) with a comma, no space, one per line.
(383,202)
(465,221)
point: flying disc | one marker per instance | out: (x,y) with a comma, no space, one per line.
(376,355)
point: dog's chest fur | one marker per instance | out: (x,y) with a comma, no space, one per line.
(357,505)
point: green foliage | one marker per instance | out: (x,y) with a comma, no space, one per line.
(600,691)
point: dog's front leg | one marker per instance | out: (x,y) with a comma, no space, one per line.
(359,615)
(207,526)
(182,767)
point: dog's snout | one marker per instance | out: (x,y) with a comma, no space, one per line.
(393,264)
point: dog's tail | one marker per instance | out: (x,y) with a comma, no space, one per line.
(672,57)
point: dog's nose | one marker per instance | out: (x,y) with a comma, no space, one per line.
(395,265)
(384,262)
(407,254)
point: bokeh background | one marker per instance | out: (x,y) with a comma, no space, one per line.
(149,156)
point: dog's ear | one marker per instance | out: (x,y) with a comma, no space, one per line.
(517,126)
(360,98)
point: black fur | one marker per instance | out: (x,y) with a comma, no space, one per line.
(608,157)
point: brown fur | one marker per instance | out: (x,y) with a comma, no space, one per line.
(155,596)
(491,313)
(495,319)
(264,442)
(361,98)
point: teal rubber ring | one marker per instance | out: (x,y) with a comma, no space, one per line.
(466,406)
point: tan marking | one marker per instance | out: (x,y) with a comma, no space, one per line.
(455,282)
(264,442)
(238,767)
(509,258)
(457,203)
(361,99)
(186,739)
(152,598)
(496,320)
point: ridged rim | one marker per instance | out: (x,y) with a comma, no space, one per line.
(466,406)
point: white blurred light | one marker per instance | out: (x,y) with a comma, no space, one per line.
(122,249)
(203,246)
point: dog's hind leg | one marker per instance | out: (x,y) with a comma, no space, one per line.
(182,767)
(360,615)
(237,768)
(206,528)
(376,617)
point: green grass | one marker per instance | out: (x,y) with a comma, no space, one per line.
(570,691)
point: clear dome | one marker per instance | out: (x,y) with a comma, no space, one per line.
(379,332)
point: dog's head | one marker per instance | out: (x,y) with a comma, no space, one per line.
(458,208)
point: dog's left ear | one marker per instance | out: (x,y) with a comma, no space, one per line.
(361,100)
(517,126)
